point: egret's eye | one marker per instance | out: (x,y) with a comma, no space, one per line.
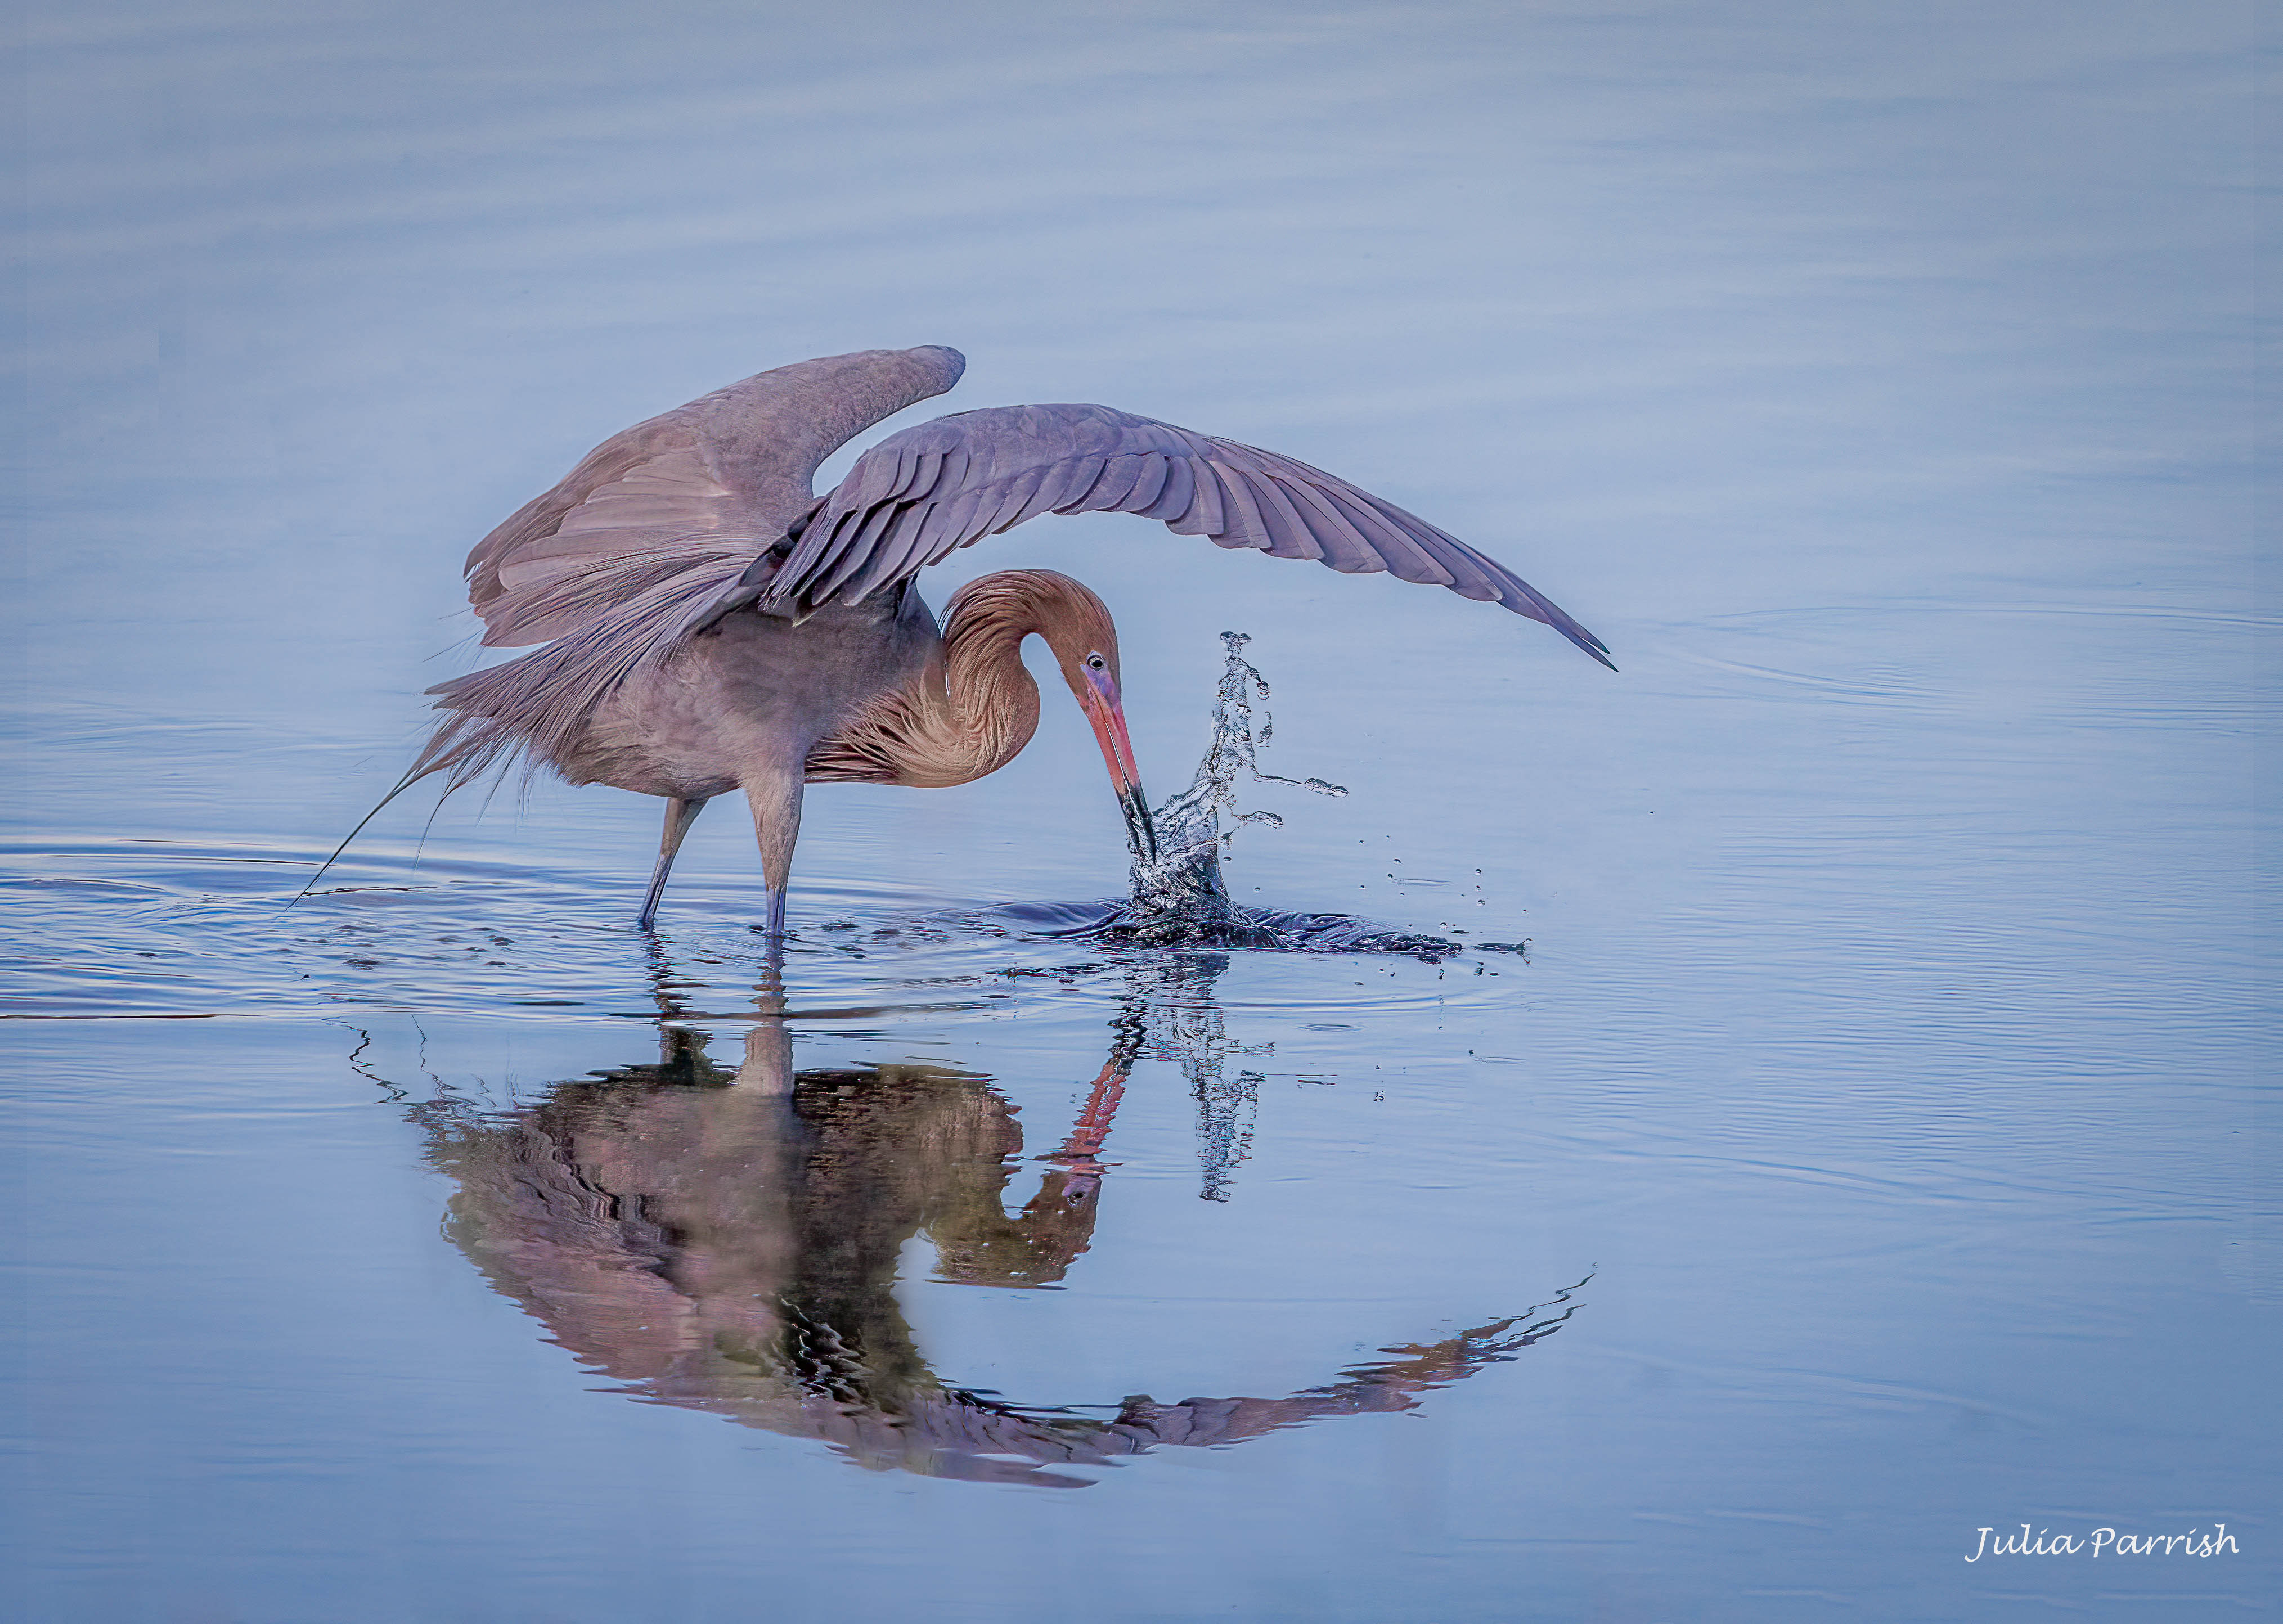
(1094,662)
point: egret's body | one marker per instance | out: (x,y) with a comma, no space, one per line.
(710,625)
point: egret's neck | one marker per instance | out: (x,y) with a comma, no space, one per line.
(975,707)
(984,705)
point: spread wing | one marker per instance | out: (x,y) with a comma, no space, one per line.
(656,522)
(919,494)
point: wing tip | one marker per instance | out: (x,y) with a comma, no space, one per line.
(1530,606)
(1590,643)
(949,362)
(1586,641)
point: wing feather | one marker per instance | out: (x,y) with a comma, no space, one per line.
(884,476)
(897,556)
(1130,484)
(1415,540)
(1016,497)
(640,514)
(1173,494)
(960,522)
(1345,546)
(1061,480)
(1365,521)
(926,467)
(1243,526)
(1288,530)
(1191,482)
(868,537)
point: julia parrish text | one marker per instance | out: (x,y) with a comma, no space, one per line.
(2104,1541)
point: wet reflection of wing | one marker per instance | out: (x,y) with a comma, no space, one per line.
(917,495)
(951,1433)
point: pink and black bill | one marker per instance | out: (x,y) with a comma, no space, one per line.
(1105,710)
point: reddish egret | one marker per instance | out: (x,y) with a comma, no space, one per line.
(711,624)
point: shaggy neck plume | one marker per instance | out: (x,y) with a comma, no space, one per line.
(972,712)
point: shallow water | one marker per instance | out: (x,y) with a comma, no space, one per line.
(1836,1129)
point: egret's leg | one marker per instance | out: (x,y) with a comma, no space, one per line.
(768,1058)
(774,796)
(679,814)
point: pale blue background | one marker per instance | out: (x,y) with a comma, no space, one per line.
(1875,380)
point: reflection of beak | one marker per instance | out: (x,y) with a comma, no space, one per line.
(1108,716)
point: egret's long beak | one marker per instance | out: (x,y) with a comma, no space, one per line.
(1108,715)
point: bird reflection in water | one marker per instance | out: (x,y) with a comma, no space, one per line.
(729,1240)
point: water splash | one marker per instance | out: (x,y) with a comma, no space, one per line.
(1180,898)
(1185,880)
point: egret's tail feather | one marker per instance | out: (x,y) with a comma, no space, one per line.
(538,707)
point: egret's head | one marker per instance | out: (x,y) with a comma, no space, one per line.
(1076,627)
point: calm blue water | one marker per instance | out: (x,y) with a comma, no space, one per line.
(1867,1148)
